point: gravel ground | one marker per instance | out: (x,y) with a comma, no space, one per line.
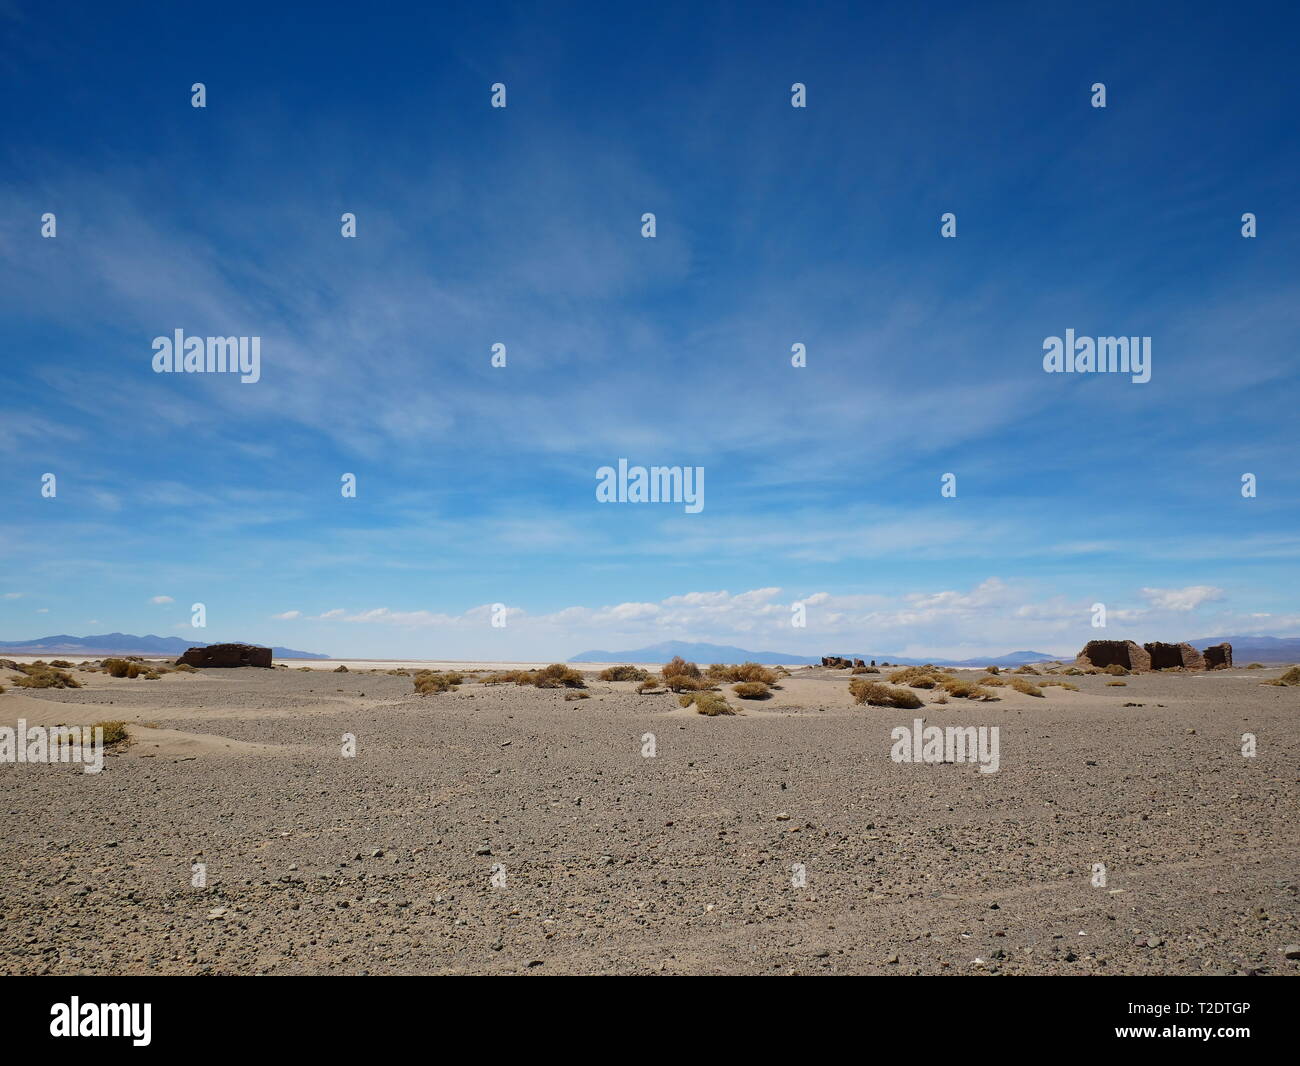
(500,829)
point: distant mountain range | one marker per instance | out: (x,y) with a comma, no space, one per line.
(127,644)
(723,653)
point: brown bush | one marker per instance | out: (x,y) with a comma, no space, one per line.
(558,675)
(1115,670)
(114,732)
(967,690)
(1028,688)
(1026,669)
(918,677)
(751,690)
(623,673)
(743,672)
(650,684)
(865,670)
(575,694)
(710,703)
(432,681)
(40,675)
(1116,684)
(1291,677)
(880,695)
(185,668)
(992,670)
(1060,684)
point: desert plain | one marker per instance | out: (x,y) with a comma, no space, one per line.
(503,829)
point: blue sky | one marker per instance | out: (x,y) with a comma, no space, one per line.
(775,226)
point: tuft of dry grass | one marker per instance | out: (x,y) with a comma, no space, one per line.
(1060,684)
(558,675)
(992,670)
(994,682)
(881,695)
(709,703)
(1027,688)
(1252,666)
(650,684)
(1116,684)
(623,673)
(1291,677)
(865,670)
(918,677)
(42,675)
(432,681)
(967,690)
(576,694)
(751,690)
(1026,669)
(114,732)
(743,673)
(1115,670)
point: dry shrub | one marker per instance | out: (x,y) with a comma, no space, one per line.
(1026,669)
(745,672)
(1027,688)
(881,695)
(686,683)
(751,690)
(994,682)
(1291,677)
(114,732)
(967,690)
(1116,684)
(151,675)
(992,670)
(865,670)
(679,667)
(186,668)
(1115,670)
(63,664)
(650,684)
(1252,666)
(116,667)
(40,675)
(574,694)
(1060,684)
(942,699)
(623,673)
(710,703)
(558,675)
(431,681)
(341,669)
(918,677)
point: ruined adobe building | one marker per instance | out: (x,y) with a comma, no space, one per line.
(1103,653)
(227,655)
(1218,657)
(1156,655)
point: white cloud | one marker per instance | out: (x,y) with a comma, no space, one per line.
(13,595)
(287,615)
(1184,599)
(42,610)
(162,599)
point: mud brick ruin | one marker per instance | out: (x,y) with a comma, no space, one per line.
(1155,655)
(1218,657)
(227,655)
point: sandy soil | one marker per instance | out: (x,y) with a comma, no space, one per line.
(680,863)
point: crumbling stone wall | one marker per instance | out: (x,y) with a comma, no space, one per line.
(1172,656)
(227,655)
(1103,653)
(1218,656)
